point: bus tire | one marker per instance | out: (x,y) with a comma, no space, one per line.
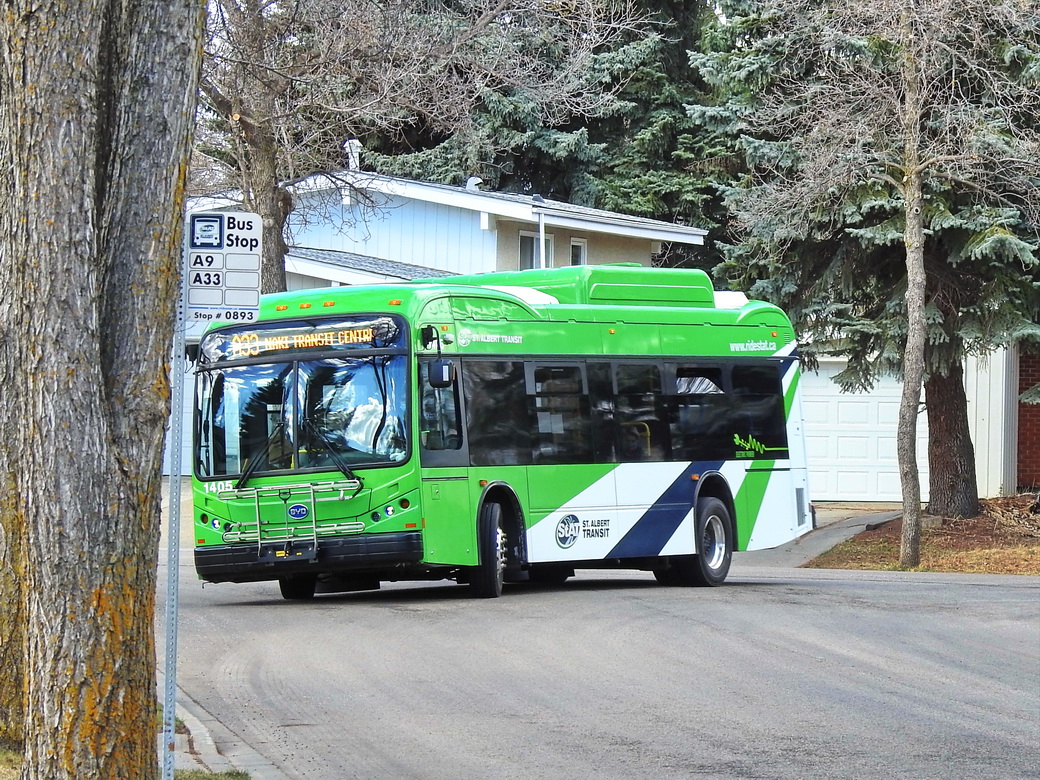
(668,574)
(715,539)
(299,587)
(550,575)
(486,578)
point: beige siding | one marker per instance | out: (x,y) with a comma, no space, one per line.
(602,248)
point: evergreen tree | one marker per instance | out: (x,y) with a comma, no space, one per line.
(640,153)
(285,85)
(824,213)
(514,144)
(660,162)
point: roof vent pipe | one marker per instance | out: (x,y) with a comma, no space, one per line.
(473,183)
(353,149)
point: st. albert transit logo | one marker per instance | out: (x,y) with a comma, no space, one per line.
(468,337)
(567,531)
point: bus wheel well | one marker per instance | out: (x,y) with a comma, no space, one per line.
(715,486)
(512,521)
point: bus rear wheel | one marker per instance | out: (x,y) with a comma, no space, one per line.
(486,578)
(551,575)
(715,540)
(299,587)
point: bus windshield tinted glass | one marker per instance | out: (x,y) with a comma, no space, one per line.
(353,409)
(310,415)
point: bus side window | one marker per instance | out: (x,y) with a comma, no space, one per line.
(496,413)
(642,433)
(760,406)
(439,422)
(562,419)
(603,412)
(700,417)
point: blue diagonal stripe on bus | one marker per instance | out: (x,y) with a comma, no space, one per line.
(657,525)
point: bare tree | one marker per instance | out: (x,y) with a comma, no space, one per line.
(95,124)
(286,84)
(911,95)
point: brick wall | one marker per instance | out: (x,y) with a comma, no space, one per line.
(1028,424)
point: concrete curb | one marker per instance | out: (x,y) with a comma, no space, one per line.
(811,545)
(199,748)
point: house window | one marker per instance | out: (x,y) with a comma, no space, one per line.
(529,256)
(579,251)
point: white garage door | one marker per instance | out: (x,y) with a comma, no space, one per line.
(851,439)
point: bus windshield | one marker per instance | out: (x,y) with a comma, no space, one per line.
(323,414)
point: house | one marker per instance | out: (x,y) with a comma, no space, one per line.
(851,437)
(1028,424)
(356,227)
(456,229)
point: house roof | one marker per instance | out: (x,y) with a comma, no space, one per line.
(361,268)
(517,207)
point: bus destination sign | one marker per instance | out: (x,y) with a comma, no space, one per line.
(222,267)
(247,342)
(251,343)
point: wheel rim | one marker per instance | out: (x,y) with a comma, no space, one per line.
(713,542)
(500,554)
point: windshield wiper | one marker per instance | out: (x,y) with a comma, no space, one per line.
(340,464)
(260,456)
(381,384)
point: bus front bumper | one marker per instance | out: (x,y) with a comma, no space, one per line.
(250,562)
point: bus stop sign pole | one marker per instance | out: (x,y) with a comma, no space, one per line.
(173,523)
(220,282)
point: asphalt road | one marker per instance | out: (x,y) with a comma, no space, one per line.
(781,673)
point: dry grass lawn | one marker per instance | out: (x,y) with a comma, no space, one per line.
(1003,539)
(10,764)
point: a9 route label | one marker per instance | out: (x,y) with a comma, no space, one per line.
(204,262)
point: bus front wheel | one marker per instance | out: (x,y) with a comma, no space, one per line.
(486,578)
(299,587)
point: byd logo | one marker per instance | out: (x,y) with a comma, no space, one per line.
(298,511)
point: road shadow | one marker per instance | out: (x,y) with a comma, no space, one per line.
(427,592)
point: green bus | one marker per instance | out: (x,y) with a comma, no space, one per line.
(500,427)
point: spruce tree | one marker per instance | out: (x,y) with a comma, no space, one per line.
(823,212)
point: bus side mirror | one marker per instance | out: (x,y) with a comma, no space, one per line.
(441,373)
(429,336)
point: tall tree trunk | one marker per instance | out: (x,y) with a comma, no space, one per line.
(97,112)
(267,197)
(913,354)
(12,609)
(12,514)
(913,375)
(952,486)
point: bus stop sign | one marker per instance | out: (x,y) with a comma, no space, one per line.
(222,267)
